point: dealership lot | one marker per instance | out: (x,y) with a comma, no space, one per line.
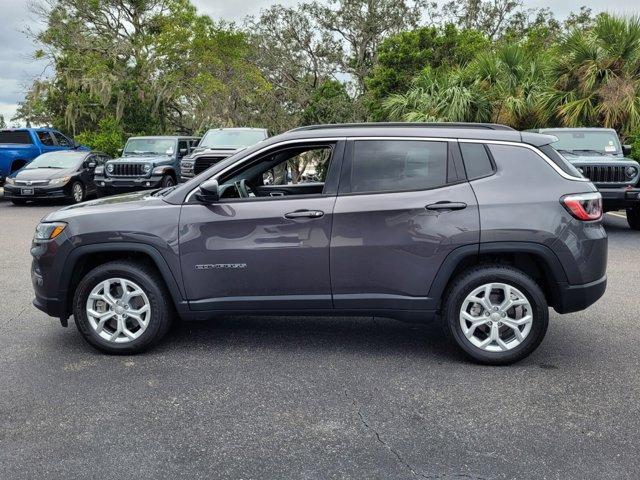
(317,398)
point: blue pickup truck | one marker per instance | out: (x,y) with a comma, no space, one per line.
(18,146)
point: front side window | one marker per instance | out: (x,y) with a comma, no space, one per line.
(46,139)
(62,140)
(398,165)
(286,172)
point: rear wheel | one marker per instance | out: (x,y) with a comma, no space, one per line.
(496,314)
(633,218)
(122,307)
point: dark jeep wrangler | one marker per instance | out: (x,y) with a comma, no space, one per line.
(598,154)
(146,162)
(481,226)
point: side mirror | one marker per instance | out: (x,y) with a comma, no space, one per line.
(626,150)
(120,150)
(183,151)
(209,191)
(91,165)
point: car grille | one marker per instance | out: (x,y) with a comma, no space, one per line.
(202,163)
(127,170)
(605,173)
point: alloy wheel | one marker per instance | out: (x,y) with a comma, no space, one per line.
(118,310)
(77,192)
(496,317)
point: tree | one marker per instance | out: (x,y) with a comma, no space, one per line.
(156,66)
(3,124)
(362,25)
(596,76)
(109,138)
(403,56)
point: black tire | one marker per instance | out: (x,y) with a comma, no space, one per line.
(149,281)
(633,218)
(18,202)
(473,278)
(77,185)
(167,181)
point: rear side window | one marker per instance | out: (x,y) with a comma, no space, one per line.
(477,162)
(45,139)
(18,136)
(397,165)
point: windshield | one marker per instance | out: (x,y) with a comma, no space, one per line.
(231,138)
(600,142)
(149,146)
(55,160)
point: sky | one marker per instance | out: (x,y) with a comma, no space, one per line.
(17,69)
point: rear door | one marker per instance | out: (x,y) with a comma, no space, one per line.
(403,206)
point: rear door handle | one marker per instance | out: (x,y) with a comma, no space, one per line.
(304,214)
(447,206)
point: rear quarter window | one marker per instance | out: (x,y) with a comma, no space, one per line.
(477,161)
(20,137)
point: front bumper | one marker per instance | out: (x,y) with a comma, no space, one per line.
(619,198)
(573,298)
(124,183)
(18,192)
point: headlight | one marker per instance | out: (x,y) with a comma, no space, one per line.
(49,230)
(146,168)
(160,170)
(59,181)
(110,167)
(9,181)
(631,172)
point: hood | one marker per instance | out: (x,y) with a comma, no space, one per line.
(142,159)
(215,151)
(30,174)
(599,159)
(113,204)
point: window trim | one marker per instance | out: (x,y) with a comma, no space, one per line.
(333,173)
(344,189)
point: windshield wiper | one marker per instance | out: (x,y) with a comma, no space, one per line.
(562,150)
(589,150)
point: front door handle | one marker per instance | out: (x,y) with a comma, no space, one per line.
(304,214)
(446,206)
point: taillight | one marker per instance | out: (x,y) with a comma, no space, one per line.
(584,206)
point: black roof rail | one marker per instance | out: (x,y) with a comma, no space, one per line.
(486,126)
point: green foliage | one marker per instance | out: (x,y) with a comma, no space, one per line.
(109,138)
(403,56)
(330,103)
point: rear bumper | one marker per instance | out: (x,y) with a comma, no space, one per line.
(619,198)
(573,298)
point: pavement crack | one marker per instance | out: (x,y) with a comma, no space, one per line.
(392,450)
(15,317)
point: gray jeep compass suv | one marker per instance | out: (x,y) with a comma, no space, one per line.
(481,226)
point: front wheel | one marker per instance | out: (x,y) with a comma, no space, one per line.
(633,218)
(122,307)
(167,181)
(496,314)
(77,192)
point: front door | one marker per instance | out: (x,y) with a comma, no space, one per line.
(401,211)
(265,244)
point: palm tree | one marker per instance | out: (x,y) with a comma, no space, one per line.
(598,77)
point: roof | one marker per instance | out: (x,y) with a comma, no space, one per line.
(472,131)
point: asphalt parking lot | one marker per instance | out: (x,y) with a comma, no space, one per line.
(316,398)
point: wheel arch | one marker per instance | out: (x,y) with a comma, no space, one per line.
(536,260)
(84,258)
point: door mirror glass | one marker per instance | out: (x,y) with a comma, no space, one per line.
(209,191)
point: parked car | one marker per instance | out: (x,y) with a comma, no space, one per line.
(598,154)
(146,162)
(216,145)
(480,225)
(55,175)
(21,145)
